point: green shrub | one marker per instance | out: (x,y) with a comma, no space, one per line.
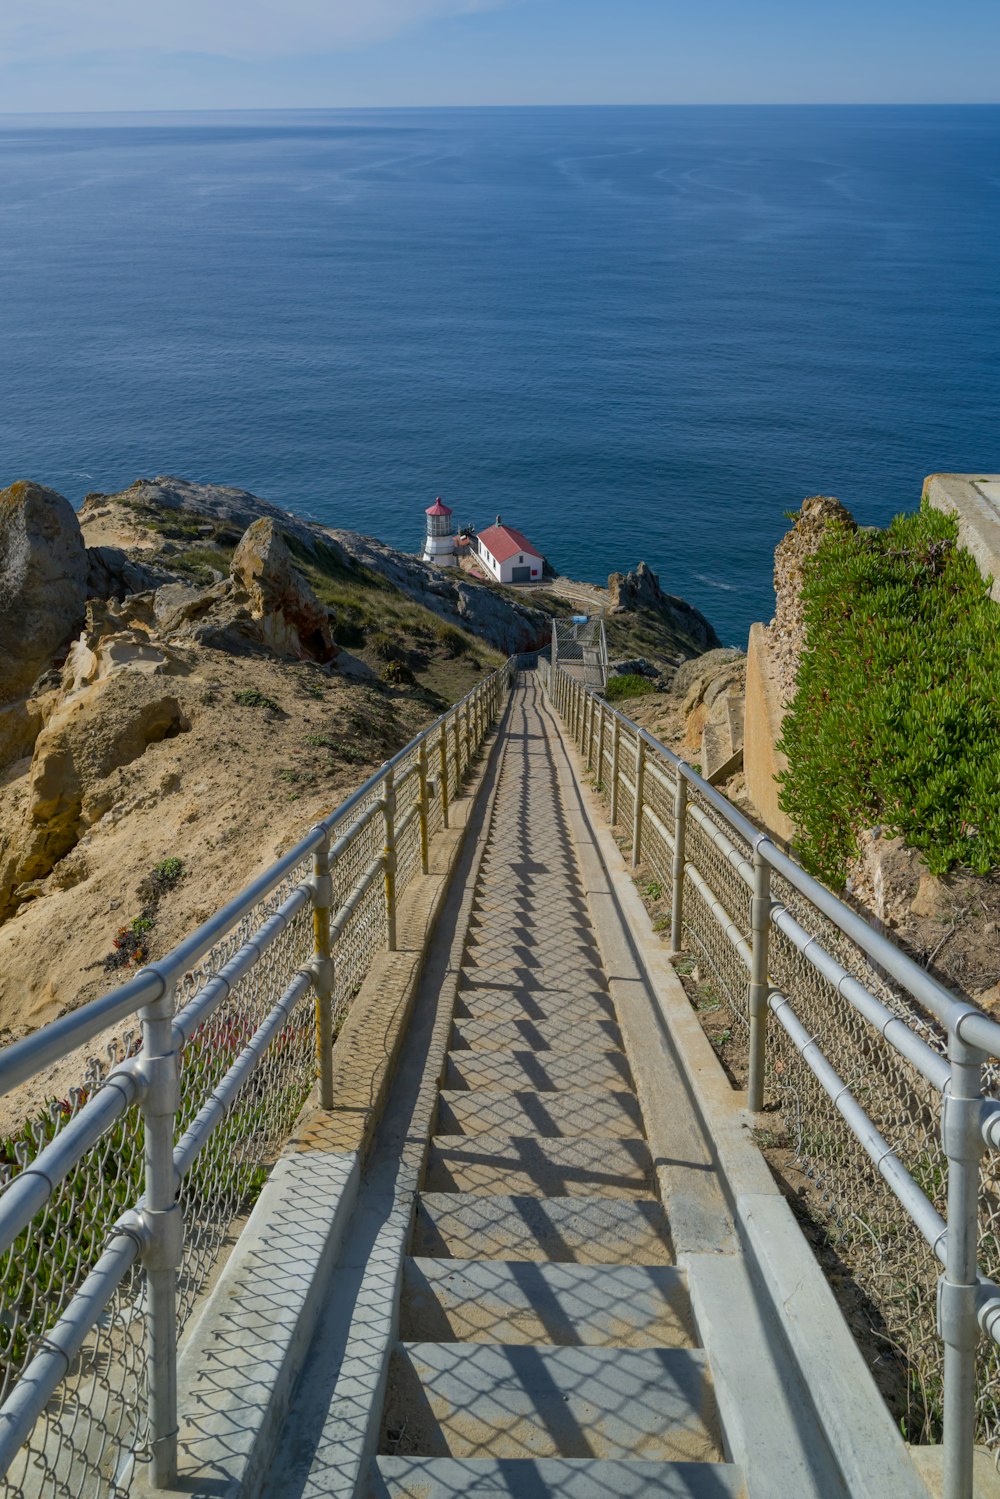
(896,715)
(252,697)
(397,674)
(451,640)
(631,685)
(385,646)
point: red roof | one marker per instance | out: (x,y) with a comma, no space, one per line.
(503,542)
(438,508)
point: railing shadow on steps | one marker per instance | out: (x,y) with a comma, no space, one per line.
(118,1200)
(888,1084)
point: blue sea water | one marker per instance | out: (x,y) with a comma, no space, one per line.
(637,333)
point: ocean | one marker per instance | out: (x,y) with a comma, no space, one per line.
(640,333)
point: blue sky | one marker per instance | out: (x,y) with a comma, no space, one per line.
(196,54)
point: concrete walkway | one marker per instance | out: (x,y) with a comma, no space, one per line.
(545,1292)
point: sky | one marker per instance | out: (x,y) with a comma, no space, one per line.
(77,55)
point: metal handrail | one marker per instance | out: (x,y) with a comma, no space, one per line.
(152,1229)
(969,1121)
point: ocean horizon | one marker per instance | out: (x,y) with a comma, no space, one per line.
(638,333)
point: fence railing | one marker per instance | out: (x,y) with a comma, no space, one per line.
(580,647)
(119,1198)
(886,1081)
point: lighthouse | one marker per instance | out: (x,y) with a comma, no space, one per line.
(439,545)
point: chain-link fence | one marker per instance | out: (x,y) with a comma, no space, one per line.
(182,1087)
(579,647)
(855,1047)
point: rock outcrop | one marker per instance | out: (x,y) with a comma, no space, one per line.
(502,622)
(43,583)
(98,729)
(112,574)
(640,590)
(291,617)
(700,714)
(786,633)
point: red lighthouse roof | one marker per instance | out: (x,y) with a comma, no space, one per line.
(438,508)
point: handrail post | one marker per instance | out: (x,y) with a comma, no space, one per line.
(422,771)
(389,860)
(600,746)
(443,761)
(640,790)
(467,730)
(679,860)
(760,928)
(577,710)
(164,1228)
(588,728)
(616,734)
(321,889)
(458,750)
(957,1287)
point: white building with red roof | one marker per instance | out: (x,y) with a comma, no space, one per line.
(439,543)
(508,555)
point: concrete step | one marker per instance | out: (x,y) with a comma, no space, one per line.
(553,1477)
(572,1111)
(463,1399)
(497,941)
(587,1230)
(540,1035)
(524,1068)
(504,964)
(564,1166)
(509,1001)
(504,1301)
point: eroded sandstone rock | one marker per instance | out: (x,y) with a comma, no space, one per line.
(98,729)
(43,583)
(292,619)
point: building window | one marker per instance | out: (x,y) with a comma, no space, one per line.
(520,559)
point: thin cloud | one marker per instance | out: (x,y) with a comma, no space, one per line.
(38,29)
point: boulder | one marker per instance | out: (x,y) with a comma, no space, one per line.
(111,574)
(292,619)
(637,667)
(701,671)
(43,583)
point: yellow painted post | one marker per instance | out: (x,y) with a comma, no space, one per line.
(640,787)
(389,860)
(443,773)
(422,763)
(322,970)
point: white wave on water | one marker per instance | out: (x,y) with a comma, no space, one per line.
(718,583)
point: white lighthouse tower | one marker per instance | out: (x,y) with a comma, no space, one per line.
(439,546)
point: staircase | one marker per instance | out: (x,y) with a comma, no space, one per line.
(547,1343)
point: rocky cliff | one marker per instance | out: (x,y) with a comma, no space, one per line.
(189,677)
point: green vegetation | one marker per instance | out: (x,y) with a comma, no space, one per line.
(369,614)
(200,564)
(397,674)
(251,697)
(451,639)
(131,942)
(896,717)
(631,685)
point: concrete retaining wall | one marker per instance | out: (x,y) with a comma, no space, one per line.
(762,761)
